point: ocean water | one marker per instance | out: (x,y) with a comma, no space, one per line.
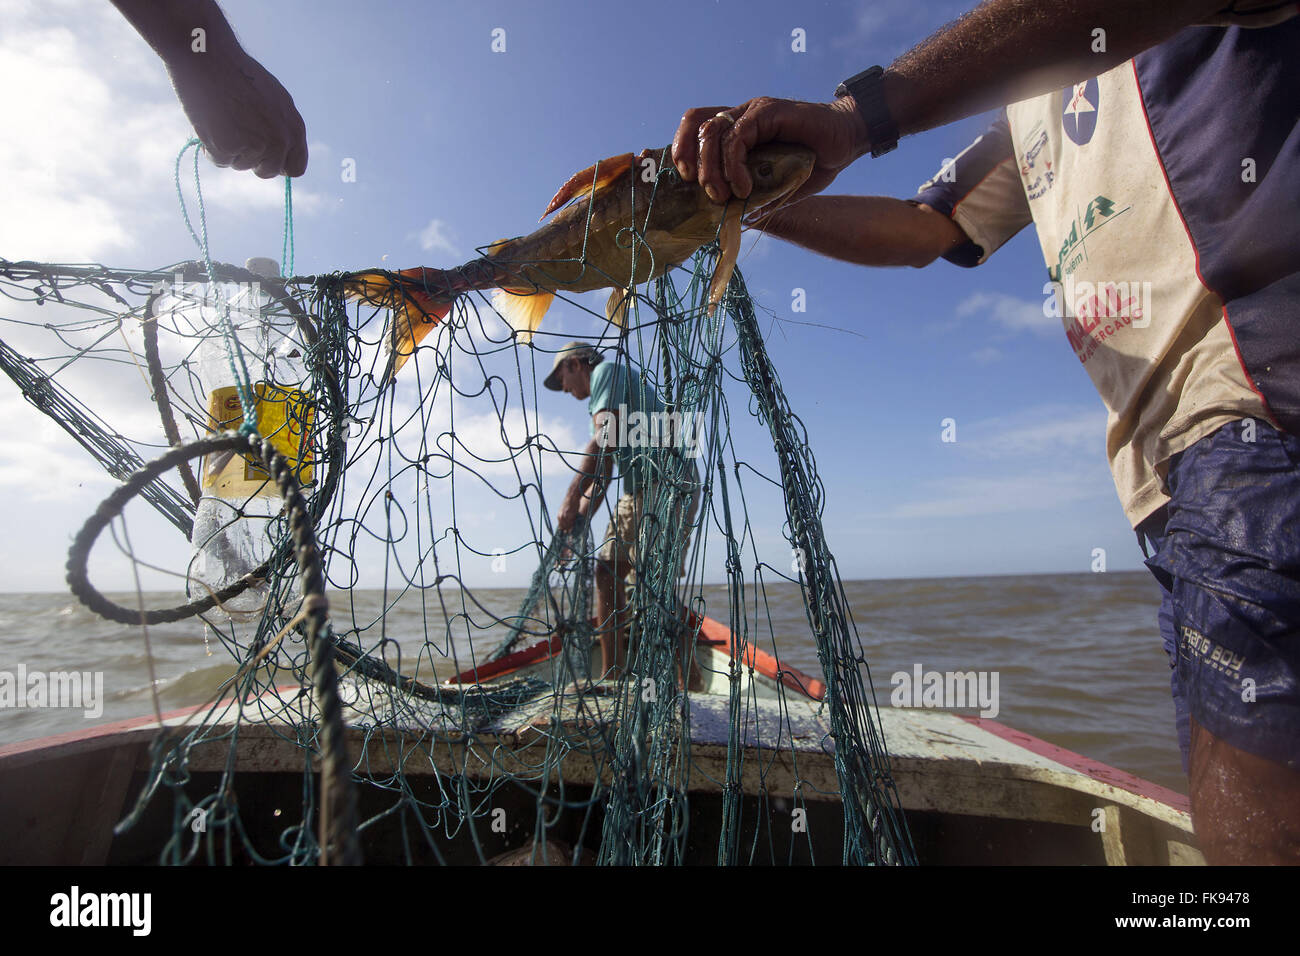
(1078,657)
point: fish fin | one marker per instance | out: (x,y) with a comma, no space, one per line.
(728,252)
(373,287)
(523,309)
(493,248)
(590,180)
(415,312)
(616,306)
(411,322)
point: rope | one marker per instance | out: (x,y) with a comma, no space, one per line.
(234,350)
(400,501)
(111,507)
(158,384)
(286,252)
(338,813)
(872,810)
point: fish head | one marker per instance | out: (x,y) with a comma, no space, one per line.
(777,171)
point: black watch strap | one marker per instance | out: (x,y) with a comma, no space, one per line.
(868,92)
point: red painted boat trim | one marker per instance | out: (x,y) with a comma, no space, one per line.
(107,730)
(711,634)
(1086,766)
(510,663)
(718,636)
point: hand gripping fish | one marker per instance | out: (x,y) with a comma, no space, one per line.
(589,245)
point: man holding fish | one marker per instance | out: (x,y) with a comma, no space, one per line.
(1181,118)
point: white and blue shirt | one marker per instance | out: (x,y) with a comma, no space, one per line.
(1166,196)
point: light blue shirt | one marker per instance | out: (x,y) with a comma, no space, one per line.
(646,433)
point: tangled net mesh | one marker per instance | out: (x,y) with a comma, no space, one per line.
(416,491)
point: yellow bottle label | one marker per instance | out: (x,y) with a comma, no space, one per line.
(284,418)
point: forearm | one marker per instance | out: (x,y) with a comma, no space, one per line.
(1009,50)
(594,495)
(588,487)
(598,465)
(866,230)
(168,26)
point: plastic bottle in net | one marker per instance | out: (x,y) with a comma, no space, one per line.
(239,517)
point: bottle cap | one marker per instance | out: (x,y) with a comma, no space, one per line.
(267,268)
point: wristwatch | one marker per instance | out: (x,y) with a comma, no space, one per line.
(868,92)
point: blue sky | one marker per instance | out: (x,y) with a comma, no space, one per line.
(455,146)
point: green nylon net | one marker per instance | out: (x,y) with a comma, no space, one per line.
(455,752)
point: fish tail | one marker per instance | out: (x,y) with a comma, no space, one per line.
(419,300)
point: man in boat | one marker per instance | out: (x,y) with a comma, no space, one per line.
(654,449)
(1155,148)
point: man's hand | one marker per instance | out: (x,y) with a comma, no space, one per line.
(241,113)
(1000,52)
(588,486)
(568,515)
(243,116)
(711,149)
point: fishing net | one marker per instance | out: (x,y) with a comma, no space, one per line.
(388,702)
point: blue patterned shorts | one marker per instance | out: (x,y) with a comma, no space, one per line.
(1227,552)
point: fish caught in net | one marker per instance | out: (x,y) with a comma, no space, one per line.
(333,501)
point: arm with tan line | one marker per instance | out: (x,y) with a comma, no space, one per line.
(866,230)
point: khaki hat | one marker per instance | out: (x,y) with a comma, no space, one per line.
(571,350)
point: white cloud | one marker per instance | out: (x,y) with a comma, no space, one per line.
(39,461)
(967,496)
(1039,434)
(496,446)
(1012,313)
(883,20)
(869,20)
(1045,457)
(235,189)
(87,165)
(435,237)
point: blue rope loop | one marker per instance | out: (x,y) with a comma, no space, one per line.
(286,250)
(234,349)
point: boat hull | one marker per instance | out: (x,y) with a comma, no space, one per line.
(973,790)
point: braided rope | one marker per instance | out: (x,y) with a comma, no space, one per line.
(111,507)
(338,805)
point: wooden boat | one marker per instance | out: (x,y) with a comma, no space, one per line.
(973,790)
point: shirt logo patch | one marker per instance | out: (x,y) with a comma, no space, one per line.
(1079,114)
(1074,251)
(1035,166)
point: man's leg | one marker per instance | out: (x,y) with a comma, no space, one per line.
(1246,810)
(613,567)
(611,614)
(1230,558)
(688,670)
(607,587)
